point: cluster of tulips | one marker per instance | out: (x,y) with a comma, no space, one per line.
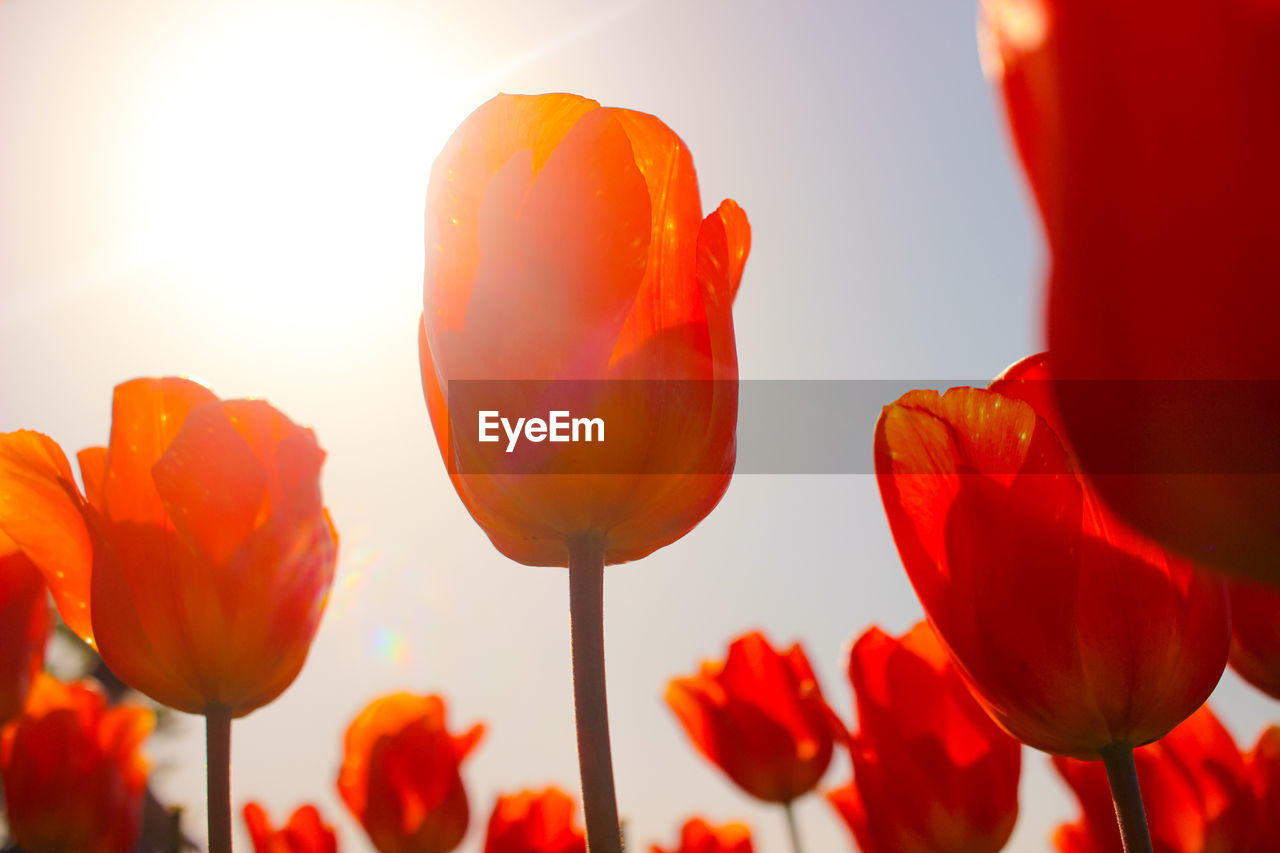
(1092,537)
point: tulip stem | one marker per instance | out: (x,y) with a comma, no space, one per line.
(595,762)
(217,722)
(1122,773)
(792,827)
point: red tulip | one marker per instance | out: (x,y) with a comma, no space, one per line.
(698,836)
(73,777)
(1264,773)
(1255,634)
(535,822)
(202,539)
(304,833)
(1073,632)
(1196,787)
(930,770)
(565,244)
(400,774)
(1148,131)
(760,717)
(24,627)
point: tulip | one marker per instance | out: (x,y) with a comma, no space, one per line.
(400,774)
(760,717)
(1078,636)
(1264,773)
(1255,634)
(565,242)
(930,770)
(24,627)
(199,559)
(304,833)
(1196,785)
(1148,131)
(567,258)
(72,774)
(535,822)
(698,836)
(1074,632)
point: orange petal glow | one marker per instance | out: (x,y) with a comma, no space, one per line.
(40,510)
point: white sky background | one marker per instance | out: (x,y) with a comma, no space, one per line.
(234,191)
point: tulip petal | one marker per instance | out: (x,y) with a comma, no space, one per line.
(460,179)
(146,415)
(211,483)
(25,622)
(40,511)
(93,472)
(552,291)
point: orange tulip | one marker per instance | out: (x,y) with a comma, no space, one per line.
(565,244)
(1197,790)
(698,836)
(760,717)
(1148,130)
(930,770)
(1074,633)
(535,822)
(1255,634)
(201,557)
(400,774)
(24,627)
(73,777)
(304,833)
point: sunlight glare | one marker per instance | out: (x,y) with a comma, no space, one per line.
(285,170)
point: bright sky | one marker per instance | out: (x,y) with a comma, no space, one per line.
(234,191)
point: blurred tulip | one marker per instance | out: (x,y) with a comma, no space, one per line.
(1148,131)
(400,774)
(565,241)
(24,627)
(760,717)
(72,774)
(1196,787)
(1075,634)
(304,833)
(698,836)
(1255,634)
(202,539)
(535,822)
(1264,774)
(931,771)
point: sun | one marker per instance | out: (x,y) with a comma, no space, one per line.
(284,161)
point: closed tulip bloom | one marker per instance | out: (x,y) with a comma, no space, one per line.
(1196,787)
(304,833)
(535,822)
(400,774)
(1264,774)
(24,627)
(698,836)
(931,771)
(1148,131)
(73,777)
(200,557)
(1255,634)
(760,717)
(1075,633)
(565,241)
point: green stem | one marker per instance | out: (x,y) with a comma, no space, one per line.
(217,721)
(595,761)
(792,827)
(1122,774)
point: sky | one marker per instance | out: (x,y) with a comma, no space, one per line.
(235,192)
